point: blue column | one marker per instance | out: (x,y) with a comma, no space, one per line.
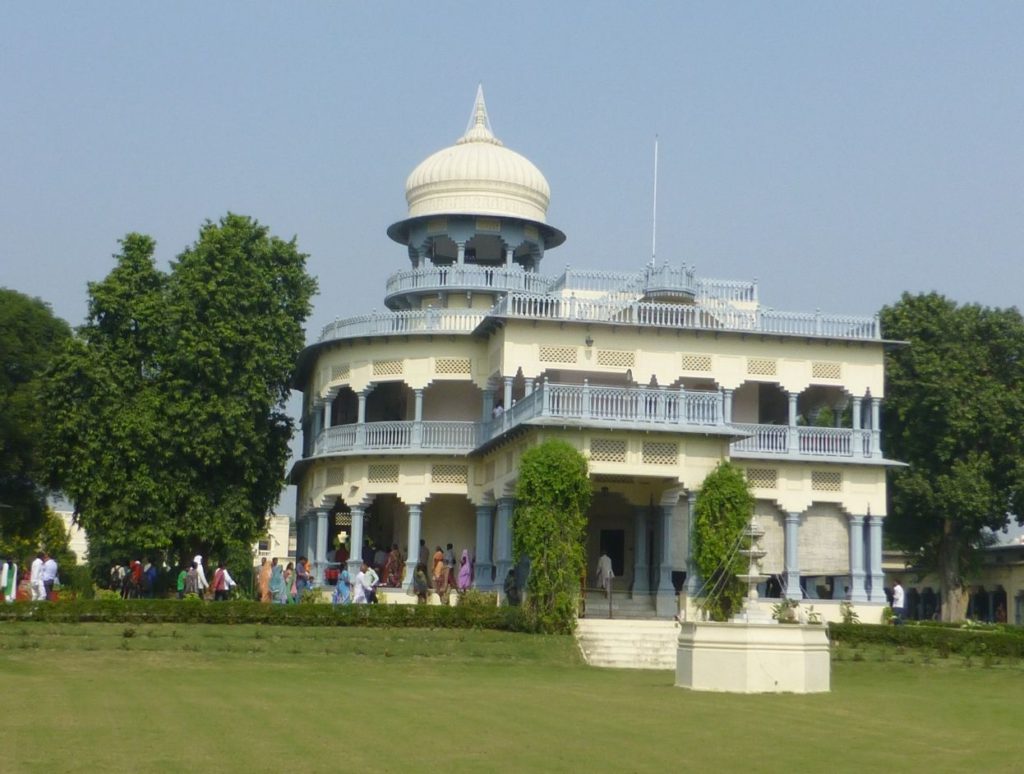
(507,395)
(876,577)
(320,551)
(641,570)
(327,413)
(503,541)
(487,413)
(727,406)
(876,428)
(793,556)
(666,604)
(417,428)
(415,528)
(356,541)
(361,419)
(857,592)
(483,572)
(693,579)
(794,441)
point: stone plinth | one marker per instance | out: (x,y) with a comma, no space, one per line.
(753,658)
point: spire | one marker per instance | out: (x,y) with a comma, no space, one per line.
(479,127)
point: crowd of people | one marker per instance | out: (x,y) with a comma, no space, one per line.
(36,584)
(283,585)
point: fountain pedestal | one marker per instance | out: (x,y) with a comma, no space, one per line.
(752,653)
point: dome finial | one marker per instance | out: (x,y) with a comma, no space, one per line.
(479,127)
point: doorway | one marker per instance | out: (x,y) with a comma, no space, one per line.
(613,541)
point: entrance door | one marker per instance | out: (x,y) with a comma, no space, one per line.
(614,542)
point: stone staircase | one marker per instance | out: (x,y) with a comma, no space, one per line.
(628,643)
(623,606)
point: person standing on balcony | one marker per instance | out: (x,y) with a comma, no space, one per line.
(605,574)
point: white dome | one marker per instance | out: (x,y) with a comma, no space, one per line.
(478,176)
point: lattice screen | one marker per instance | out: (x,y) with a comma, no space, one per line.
(451,365)
(449,474)
(552,354)
(762,366)
(336,475)
(762,478)
(387,367)
(488,224)
(340,372)
(824,544)
(383,473)
(660,453)
(616,358)
(694,362)
(826,481)
(824,369)
(607,450)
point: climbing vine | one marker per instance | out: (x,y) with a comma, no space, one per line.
(552,497)
(724,506)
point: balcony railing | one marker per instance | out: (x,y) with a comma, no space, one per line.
(805,441)
(425,321)
(447,437)
(467,277)
(687,316)
(630,407)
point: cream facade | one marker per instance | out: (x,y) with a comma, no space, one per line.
(414,420)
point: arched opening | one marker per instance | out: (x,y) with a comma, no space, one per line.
(345,407)
(764,403)
(452,400)
(389,402)
(825,406)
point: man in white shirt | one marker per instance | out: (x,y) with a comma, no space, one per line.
(201,583)
(605,574)
(222,583)
(898,598)
(35,579)
(368,580)
(49,575)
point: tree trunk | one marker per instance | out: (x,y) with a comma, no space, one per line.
(954,592)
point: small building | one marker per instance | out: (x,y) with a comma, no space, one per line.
(414,420)
(278,542)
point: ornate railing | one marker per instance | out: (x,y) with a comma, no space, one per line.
(425,321)
(807,441)
(687,316)
(632,407)
(454,436)
(467,277)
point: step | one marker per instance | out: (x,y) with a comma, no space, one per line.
(628,644)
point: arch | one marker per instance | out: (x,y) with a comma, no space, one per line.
(453,400)
(389,402)
(825,406)
(764,403)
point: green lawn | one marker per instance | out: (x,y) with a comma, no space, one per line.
(85,697)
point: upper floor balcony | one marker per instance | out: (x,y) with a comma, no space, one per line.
(466,277)
(389,437)
(818,442)
(412,322)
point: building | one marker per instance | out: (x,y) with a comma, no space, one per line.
(414,420)
(278,542)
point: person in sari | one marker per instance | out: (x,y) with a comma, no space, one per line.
(465,579)
(440,575)
(343,589)
(290,592)
(421,584)
(393,568)
(264,580)
(277,586)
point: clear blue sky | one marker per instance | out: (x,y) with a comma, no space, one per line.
(839,153)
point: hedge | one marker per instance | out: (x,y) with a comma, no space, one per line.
(245,612)
(969,641)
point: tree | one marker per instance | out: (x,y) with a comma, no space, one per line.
(723,508)
(953,412)
(552,497)
(169,425)
(30,339)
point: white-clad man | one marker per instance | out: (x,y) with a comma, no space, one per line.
(35,579)
(201,583)
(898,602)
(605,574)
(49,575)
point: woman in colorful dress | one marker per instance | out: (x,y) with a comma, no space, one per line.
(277,587)
(393,568)
(264,580)
(465,579)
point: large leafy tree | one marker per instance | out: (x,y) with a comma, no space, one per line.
(31,337)
(169,425)
(954,412)
(552,497)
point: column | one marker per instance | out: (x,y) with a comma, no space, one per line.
(415,529)
(793,556)
(727,405)
(300,534)
(507,397)
(309,534)
(327,413)
(876,428)
(320,551)
(461,254)
(693,579)
(483,571)
(355,557)
(529,386)
(487,413)
(361,419)
(641,567)
(417,428)
(857,593)
(794,441)
(503,540)
(508,257)
(876,577)
(858,435)
(666,605)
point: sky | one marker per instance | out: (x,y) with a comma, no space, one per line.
(840,154)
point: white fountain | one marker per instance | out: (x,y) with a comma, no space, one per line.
(753,653)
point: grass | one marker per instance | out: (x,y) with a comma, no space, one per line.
(163,697)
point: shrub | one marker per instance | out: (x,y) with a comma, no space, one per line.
(944,640)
